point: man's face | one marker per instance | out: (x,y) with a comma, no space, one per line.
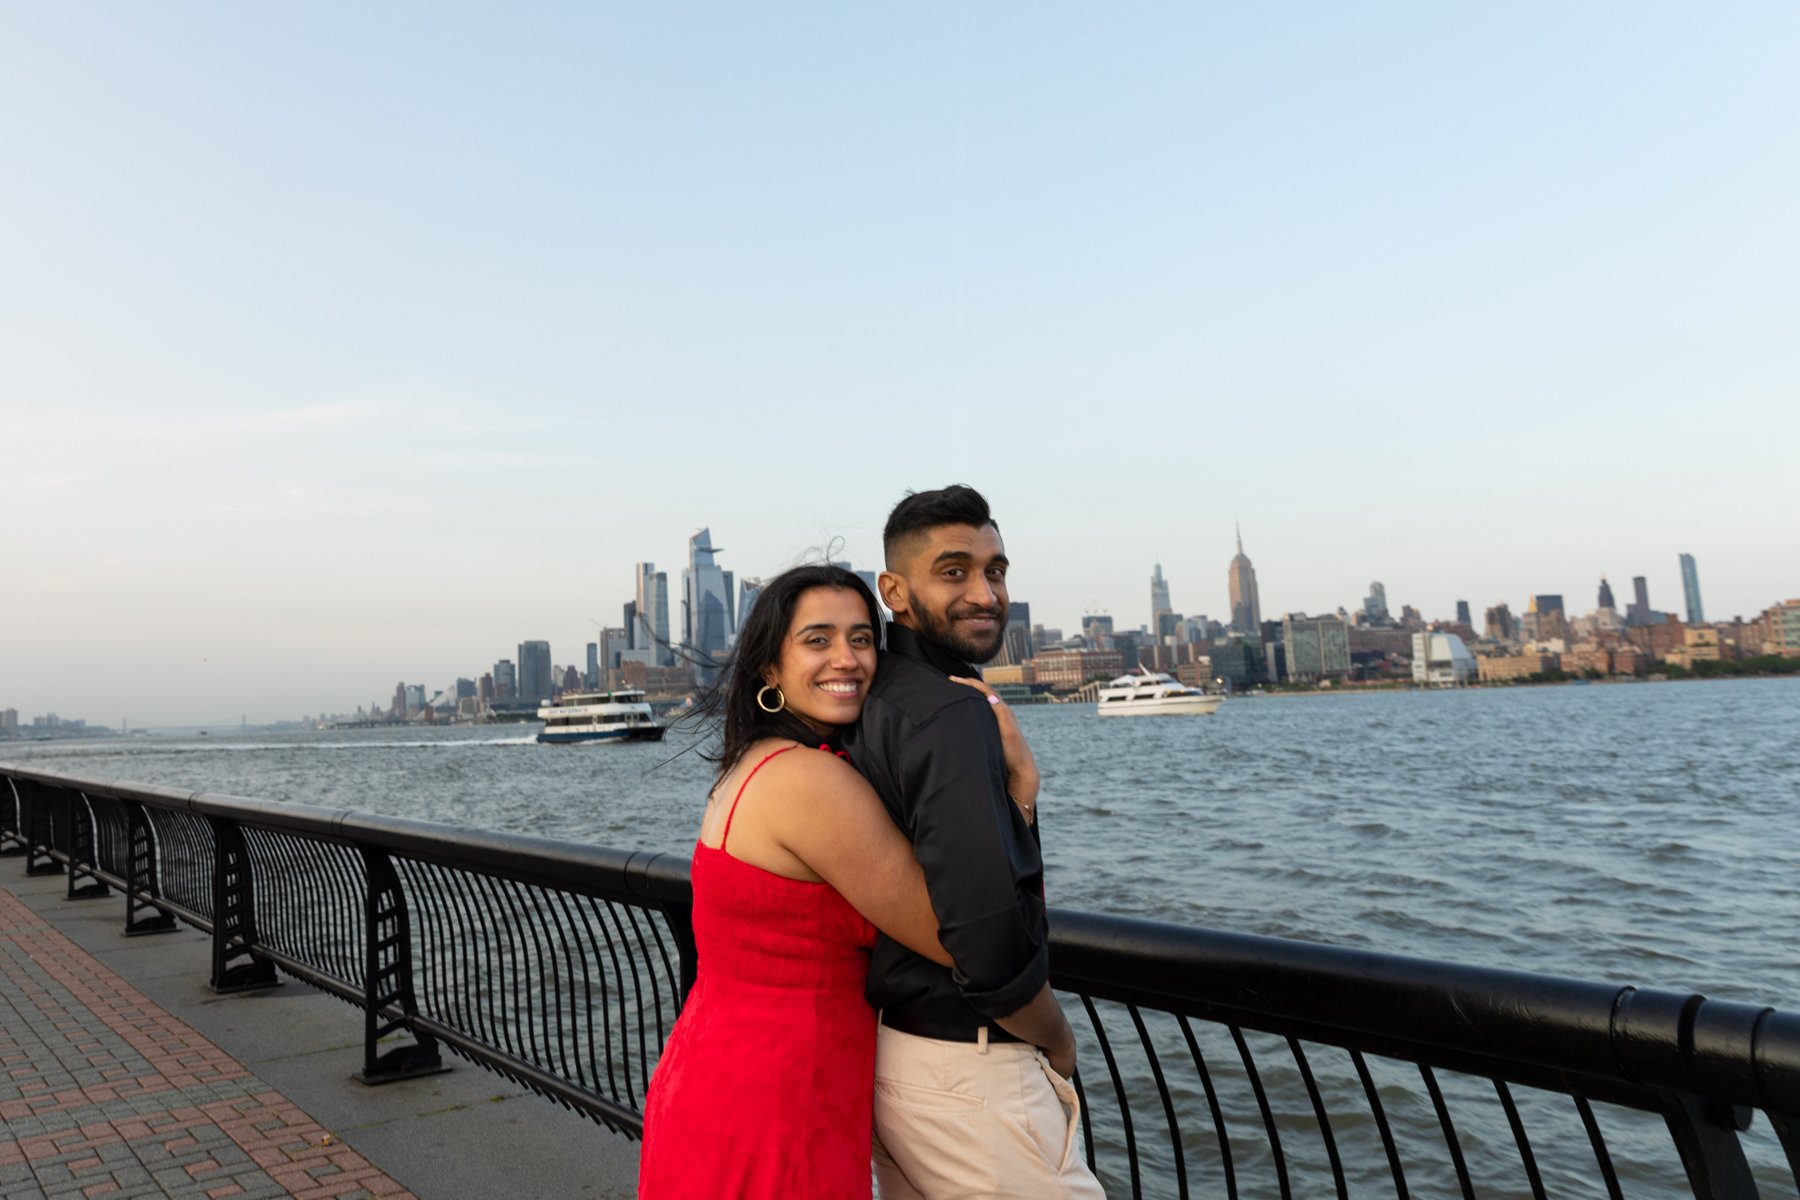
(949,585)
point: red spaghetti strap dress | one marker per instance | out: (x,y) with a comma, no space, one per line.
(766,1086)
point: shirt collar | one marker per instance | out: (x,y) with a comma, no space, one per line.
(902,640)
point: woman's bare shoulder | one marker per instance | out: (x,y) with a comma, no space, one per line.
(808,770)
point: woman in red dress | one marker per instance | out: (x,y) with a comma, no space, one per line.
(765,1087)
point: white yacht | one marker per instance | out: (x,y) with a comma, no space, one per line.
(616,716)
(1153,694)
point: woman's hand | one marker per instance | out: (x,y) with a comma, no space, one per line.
(1021,768)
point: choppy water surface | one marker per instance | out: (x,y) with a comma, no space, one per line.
(1644,833)
(1635,833)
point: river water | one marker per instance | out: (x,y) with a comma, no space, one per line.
(1635,833)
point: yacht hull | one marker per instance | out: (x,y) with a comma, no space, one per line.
(1171,706)
(570,736)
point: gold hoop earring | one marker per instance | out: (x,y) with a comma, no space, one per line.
(780,700)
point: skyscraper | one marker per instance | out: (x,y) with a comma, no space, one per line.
(706,602)
(748,591)
(1690,590)
(1159,601)
(1375,603)
(1638,611)
(535,683)
(652,630)
(1246,607)
(1606,596)
(1463,616)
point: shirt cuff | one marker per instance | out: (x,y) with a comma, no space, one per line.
(1009,997)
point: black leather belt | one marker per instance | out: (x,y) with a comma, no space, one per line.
(942,1031)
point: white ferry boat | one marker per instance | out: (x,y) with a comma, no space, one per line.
(1153,694)
(616,716)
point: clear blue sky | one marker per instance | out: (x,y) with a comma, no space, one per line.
(348,344)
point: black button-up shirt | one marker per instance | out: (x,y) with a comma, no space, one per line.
(931,749)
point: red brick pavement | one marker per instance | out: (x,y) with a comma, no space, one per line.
(102,1093)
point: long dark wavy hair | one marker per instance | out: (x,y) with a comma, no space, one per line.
(733,700)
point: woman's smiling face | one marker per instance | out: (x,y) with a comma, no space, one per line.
(827,658)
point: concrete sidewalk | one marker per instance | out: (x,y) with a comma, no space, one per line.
(121,1075)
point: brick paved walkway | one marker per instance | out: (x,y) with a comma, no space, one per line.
(102,1093)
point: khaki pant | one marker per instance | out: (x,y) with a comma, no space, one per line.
(957,1119)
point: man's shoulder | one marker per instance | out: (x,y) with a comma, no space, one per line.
(911,690)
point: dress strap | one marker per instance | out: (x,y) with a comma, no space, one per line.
(726,836)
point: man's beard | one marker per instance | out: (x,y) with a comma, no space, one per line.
(973,648)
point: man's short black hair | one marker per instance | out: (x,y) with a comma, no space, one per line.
(917,512)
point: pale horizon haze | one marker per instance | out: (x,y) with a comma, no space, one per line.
(343,345)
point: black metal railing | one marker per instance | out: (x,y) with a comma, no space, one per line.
(1212,1063)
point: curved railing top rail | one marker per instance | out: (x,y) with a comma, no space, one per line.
(1495,1020)
(1492,1020)
(572,866)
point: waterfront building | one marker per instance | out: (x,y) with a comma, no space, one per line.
(707,623)
(1586,658)
(1690,590)
(1159,601)
(1246,605)
(1698,644)
(1239,659)
(1019,673)
(9,720)
(535,681)
(1066,670)
(1441,660)
(484,689)
(1658,640)
(652,613)
(398,712)
(1781,629)
(1380,650)
(1504,668)
(506,682)
(593,678)
(415,698)
(1316,647)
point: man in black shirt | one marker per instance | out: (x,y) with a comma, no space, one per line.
(972,1091)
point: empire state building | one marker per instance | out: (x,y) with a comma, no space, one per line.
(1246,608)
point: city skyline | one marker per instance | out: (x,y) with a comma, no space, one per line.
(536,680)
(336,361)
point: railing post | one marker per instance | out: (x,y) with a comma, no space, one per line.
(1706,1135)
(39,834)
(388,980)
(234,914)
(143,885)
(84,860)
(10,824)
